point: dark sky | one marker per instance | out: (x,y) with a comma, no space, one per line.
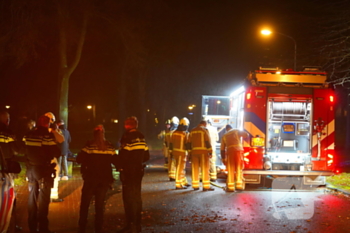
(194,48)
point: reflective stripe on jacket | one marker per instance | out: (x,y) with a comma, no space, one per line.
(178,142)
(200,140)
(231,140)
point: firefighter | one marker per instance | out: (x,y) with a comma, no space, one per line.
(178,149)
(162,136)
(232,155)
(59,139)
(171,162)
(130,161)
(41,148)
(96,159)
(214,137)
(200,153)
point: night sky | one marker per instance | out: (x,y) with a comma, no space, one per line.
(186,49)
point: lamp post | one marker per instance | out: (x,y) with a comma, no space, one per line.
(268,32)
(93,108)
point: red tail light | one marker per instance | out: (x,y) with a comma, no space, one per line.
(331,98)
(249,95)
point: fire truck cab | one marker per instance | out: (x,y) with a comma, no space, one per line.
(289,116)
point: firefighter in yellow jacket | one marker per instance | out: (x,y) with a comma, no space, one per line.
(232,154)
(171,162)
(178,150)
(200,154)
(214,137)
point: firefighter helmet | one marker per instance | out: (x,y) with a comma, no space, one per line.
(175,120)
(51,116)
(184,121)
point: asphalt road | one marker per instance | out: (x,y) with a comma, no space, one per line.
(165,209)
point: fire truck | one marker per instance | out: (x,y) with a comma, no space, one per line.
(289,116)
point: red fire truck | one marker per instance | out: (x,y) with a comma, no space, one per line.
(289,116)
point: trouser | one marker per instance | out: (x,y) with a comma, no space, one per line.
(165,152)
(234,168)
(212,167)
(62,161)
(38,204)
(54,189)
(171,167)
(200,161)
(180,174)
(131,182)
(90,189)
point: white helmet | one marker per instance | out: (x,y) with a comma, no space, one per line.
(184,121)
(51,116)
(175,120)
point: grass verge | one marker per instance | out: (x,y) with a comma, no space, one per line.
(341,181)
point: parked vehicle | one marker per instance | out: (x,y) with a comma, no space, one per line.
(289,116)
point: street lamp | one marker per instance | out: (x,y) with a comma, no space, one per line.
(93,108)
(267,32)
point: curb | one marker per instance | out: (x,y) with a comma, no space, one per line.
(329,186)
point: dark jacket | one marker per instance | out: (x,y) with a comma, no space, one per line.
(96,164)
(67,140)
(41,148)
(7,142)
(133,152)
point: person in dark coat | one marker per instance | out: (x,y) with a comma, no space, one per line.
(96,169)
(130,161)
(41,149)
(62,160)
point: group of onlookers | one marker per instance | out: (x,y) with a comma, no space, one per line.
(46,146)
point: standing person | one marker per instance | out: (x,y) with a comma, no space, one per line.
(59,140)
(96,168)
(171,162)
(130,161)
(214,137)
(9,150)
(232,153)
(62,160)
(200,154)
(41,148)
(162,136)
(178,149)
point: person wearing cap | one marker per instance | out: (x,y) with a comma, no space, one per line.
(96,168)
(62,160)
(133,153)
(200,153)
(178,148)
(174,122)
(162,136)
(232,155)
(41,148)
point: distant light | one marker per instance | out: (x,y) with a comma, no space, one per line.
(266,32)
(115,121)
(190,113)
(190,107)
(218,102)
(7,106)
(89,107)
(148,110)
(156,120)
